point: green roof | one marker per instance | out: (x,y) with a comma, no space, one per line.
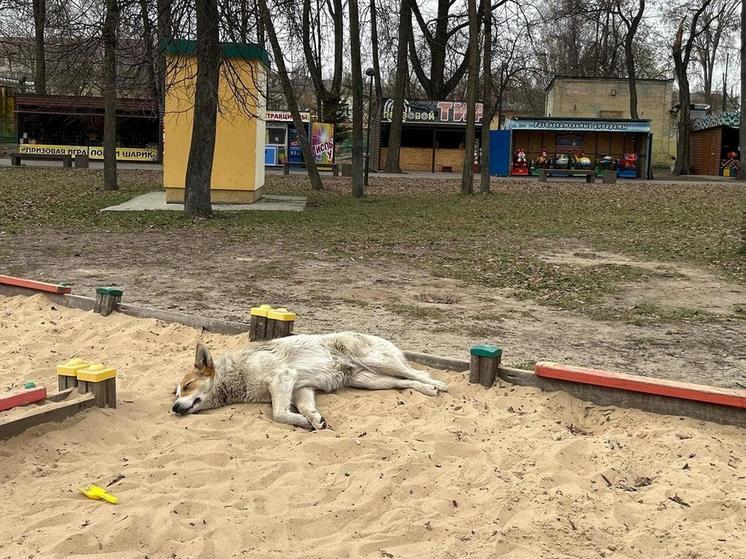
(731,119)
(243,51)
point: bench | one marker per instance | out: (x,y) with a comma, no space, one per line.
(16,158)
(333,167)
(590,174)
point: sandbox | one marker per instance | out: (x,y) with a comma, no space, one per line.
(509,471)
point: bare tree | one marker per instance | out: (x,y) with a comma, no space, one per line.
(707,45)
(438,46)
(682,52)
(197,201)
(358,188)
(467,177)
(632,24)
(109,37)
(287,87)
(402,76)
(329,99)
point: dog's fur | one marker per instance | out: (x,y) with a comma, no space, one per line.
(288,371)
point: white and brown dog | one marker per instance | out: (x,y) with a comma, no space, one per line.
(288,371)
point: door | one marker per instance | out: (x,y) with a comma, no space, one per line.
(499,153)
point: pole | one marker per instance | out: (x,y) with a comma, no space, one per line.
(370,108)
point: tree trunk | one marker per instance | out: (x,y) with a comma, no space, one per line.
(40,65)
(109,36)
(742,128)
(164,35)
(358,188)
(402,76)
(467,178)
(374,44)
(197,202)
(681,55)
(630,58)
(484,179)
(289,91)
(150,58)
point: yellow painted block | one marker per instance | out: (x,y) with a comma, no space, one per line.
(70,368)
(281,314)
(261,310)
(96,373)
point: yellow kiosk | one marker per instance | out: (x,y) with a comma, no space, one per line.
(238,163)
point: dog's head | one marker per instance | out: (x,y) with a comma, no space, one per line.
(196,386)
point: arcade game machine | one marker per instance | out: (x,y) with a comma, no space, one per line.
(520,165)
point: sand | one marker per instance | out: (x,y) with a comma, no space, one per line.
(508,472)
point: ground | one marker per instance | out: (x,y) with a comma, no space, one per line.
(510,472)
(638,277)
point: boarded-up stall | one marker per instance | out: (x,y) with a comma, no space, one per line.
(433,135)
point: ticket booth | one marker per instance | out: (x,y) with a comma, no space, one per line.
(281,141)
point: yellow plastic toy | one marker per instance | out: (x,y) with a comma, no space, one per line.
(96,492)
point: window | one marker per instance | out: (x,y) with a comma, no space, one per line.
(276,136)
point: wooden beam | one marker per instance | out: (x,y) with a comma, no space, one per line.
(35,285)
(54,411)
(647,385)
(22,397)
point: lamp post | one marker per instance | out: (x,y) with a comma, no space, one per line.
(370,73)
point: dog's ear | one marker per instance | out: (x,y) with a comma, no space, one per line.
(203,361)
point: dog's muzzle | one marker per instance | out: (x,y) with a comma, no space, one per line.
(181,409)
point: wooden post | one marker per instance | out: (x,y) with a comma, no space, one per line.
(82,161)
(279,323)
(100,381)
(67,373)
(258,323)
(107,299)
(485,359)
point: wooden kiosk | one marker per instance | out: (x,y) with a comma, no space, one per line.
(238,163)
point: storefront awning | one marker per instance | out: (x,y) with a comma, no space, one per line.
(86,106)
(554,124)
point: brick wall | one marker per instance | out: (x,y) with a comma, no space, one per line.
(595,98)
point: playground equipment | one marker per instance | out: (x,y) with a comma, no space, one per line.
(267,323)
(94,385)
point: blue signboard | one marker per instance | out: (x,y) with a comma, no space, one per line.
(580,125)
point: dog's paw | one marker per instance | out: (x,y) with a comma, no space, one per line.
(320,424)
(427,390)
(440,386)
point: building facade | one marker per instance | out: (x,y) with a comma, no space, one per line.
(608,98)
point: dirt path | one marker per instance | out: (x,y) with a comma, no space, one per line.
(217,276)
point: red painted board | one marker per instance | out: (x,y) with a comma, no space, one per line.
(648,385)
(22,397)
(36,285)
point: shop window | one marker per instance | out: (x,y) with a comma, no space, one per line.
(417,138)
(450,139)
(276,136)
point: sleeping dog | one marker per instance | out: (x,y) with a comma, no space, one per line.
(288,371)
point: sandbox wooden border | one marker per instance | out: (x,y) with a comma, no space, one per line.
(595,393)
